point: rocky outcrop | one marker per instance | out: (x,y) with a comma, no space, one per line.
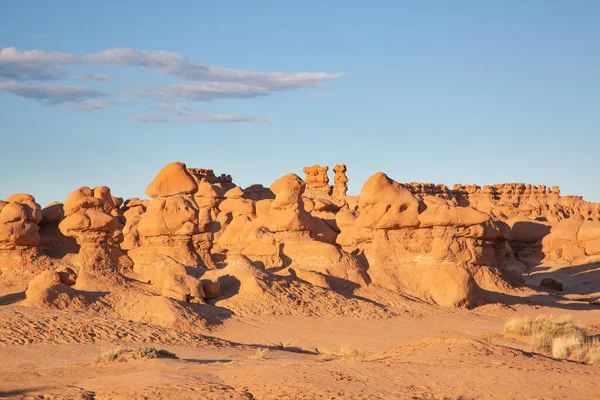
(171,217)
(340,181)
(415,245)
(88,220)
(132,211)
(284,234)
(509,200)
(317,181)
(572,240)
(19,219)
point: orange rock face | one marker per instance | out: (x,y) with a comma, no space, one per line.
(392,228)
(340,181)
(19,219)
(422,239)
(98,233)
(171,217)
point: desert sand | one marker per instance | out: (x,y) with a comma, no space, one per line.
(202,289)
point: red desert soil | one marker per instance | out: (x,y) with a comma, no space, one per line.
(423,353)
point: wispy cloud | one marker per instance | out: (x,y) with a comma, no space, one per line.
(203,91)
(98,78)
(198,82)
(41,36)
(177,65)
(33,64)
(177,113)
(97,104)
(51,94)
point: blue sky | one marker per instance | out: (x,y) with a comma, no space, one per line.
(106,93)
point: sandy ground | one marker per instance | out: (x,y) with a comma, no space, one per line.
(423,352)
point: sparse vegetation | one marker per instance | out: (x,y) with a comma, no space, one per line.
(110,355)
(558,336)
(551,326)
(345,353)
(542,342)
(259,354)
(562,346)
(142,352)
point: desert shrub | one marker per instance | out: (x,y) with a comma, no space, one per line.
(542,342)
(593,352)
(151,352)
(142,352)
(109,355)
(563,346)
(345,353)
(551,326)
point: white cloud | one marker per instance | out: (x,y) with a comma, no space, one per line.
(51,94)
(203,91)
(33,64)
(177,113)
(177,65)
(98,78)
(198,82)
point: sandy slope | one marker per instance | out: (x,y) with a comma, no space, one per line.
(418,351)
(437,354)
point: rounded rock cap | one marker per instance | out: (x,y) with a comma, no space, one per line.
(172,180)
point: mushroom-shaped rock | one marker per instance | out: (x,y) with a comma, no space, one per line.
(286,212)
(172,180)
(171,218)
(386,204)
(97,232)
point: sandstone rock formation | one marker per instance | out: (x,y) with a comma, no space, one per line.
(508,200)
(171,217)
(88,220)
(225,181)
(132,211)
(572,240)
(416,245)
(284,234)
(340,181)
(19,233)
(317,181)
(52,289)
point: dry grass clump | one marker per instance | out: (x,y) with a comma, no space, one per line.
(577,349)
(345,353)
(110,355)
(542,342)
(151,352)
(259,354)
(551,326)
(563,346)
(557,335)
(142,352)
